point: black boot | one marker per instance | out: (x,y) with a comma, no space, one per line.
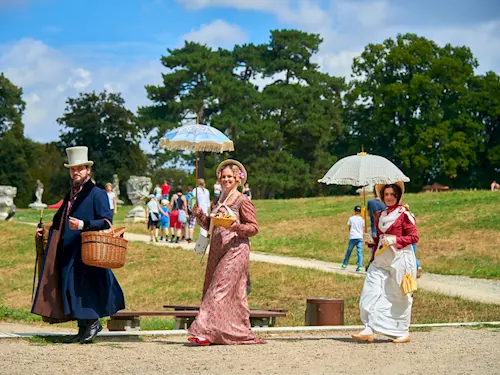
(91,332)
(177,240)
(172,239)
(75,338)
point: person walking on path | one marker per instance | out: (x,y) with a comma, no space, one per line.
(373,206)
(164,219)
(246,190)
(178,217)
(224,316)
(165,190)
(191,220)
(203,197)
(356,227)
(153,214)
(68,289)
(112,198)
(384,307)
(157,192)
(217,189)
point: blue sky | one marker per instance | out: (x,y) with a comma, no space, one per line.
(57,48)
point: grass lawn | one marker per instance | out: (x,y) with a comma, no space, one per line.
(459,231)
(154,276)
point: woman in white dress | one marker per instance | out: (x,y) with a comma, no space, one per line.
(384,307)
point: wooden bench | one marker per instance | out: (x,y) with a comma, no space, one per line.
(258,317)
(184,317)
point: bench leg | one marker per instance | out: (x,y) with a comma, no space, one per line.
(130,324)
(183,322)
(259,322)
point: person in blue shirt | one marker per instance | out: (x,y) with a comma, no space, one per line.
(373,206)
(164,219)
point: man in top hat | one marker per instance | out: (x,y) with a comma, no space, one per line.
(67,288)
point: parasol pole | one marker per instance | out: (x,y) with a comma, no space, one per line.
(364,208)
(363,212)
(196,182)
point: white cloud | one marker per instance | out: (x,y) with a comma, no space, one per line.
(216,34)
(347,27)
(49,76)
(367,14)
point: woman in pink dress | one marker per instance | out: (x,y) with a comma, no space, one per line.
(224,316)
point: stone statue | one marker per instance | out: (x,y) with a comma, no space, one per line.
(38,205)
(7,195)
(116,190)
(138,189)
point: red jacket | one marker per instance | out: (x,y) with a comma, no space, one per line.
(404,228)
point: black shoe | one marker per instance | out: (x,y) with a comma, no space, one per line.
(177,240)
(75,338)
(91,332)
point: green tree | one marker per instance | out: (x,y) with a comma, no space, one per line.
(49,169)
(187,94)
(484,104)
(101,122)
(16,152)
(293,120)
(410,101)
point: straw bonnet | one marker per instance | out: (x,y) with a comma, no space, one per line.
(243,172)
(78,156)
(380,187)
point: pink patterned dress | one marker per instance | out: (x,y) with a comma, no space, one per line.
(224,317)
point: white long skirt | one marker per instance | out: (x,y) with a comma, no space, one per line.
(383,306)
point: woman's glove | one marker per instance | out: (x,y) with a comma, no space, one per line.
(388,240)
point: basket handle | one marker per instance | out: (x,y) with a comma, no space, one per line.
(116,233)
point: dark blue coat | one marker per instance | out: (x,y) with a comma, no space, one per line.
(86,292)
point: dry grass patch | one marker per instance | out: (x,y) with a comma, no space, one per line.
(458,230)
(154,276)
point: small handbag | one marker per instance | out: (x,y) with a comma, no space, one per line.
(182,217)
(202,243)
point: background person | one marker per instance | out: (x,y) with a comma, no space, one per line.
(112,198)
(153,214)
(356,226)
(165,190)
(164,219)
(217,189)
(178,207)
(203,197)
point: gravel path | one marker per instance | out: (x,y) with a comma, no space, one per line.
(440,351)
(479,290)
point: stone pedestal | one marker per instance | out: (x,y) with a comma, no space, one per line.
(37,206)
(138,189)
(7,195)
(136,215)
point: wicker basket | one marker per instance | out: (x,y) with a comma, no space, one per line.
(225,222)
(105,250)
